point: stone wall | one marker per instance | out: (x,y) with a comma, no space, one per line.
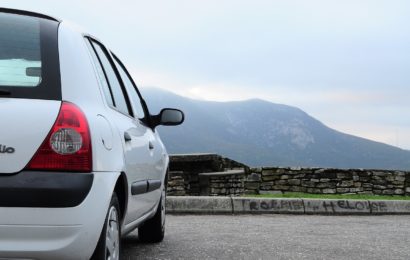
(185,171)
(227,183)
(214,175)
(327,181)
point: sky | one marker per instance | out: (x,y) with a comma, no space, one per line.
(346,63)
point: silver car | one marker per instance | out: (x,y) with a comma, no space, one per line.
(81,162)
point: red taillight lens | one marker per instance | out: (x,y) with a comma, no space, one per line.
(68,145)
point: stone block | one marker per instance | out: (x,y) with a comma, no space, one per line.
(176,193)
(297,189)
(178,188)
(388,192)
(281,182)
(198,204)
(252,185)
(309,184)
(398,184)
(328,185)
(253,177)
(344,175)
(329,191)
(351,207)
(300,176)
(398,191)
(389,178)
(294,182)
(260,205)
(365,179)
(363,174)
(390,207)
(342,190)
(270,178)
(400,178)
(314,190)
(250,192)
(268,172)
(357,184)
(293,173)
(381,174)
(400,174)
(215,190)
(345,183)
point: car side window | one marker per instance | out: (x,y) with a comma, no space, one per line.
(131,89)
(101,76)
(113,81)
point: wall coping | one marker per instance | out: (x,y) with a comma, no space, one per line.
(225,173)
(195,157)
(249,205)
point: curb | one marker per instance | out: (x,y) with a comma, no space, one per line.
(246,205)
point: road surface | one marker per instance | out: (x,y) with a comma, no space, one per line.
(277,237)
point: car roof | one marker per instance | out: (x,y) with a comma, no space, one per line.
(28,13)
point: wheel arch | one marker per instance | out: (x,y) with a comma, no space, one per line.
(121,189)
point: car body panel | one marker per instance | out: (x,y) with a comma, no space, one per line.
(25,125)
(57,233)
(80,86)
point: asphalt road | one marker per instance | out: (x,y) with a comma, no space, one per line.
(277,237)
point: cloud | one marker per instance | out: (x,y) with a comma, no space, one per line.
(344,62)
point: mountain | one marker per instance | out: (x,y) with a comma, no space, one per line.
(261,133)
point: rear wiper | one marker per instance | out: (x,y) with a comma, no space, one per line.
(4,92)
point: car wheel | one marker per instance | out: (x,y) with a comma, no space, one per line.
(153,230)
(108,247)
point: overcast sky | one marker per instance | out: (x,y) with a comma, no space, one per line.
(345,63)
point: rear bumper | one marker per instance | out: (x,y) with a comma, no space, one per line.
(44,189)
(57,232)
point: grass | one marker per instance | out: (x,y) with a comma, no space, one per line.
(330,196)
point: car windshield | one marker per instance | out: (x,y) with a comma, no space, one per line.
(29,63)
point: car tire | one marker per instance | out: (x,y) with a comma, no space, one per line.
(153,230)
(108,246)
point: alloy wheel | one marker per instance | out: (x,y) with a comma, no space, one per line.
(112,241)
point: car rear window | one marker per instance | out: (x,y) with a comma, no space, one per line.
(29,66)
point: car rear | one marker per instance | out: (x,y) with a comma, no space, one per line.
(52,204)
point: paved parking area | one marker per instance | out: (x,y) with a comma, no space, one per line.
(277,237)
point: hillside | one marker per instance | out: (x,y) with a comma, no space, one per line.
(258,132)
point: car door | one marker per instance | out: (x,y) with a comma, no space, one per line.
(157,154)
(134,135)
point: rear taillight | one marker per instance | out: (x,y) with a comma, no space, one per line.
(68,145)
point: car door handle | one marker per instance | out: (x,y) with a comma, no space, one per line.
(127,137)
(150,145)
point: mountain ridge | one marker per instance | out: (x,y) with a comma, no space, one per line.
(261,133)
